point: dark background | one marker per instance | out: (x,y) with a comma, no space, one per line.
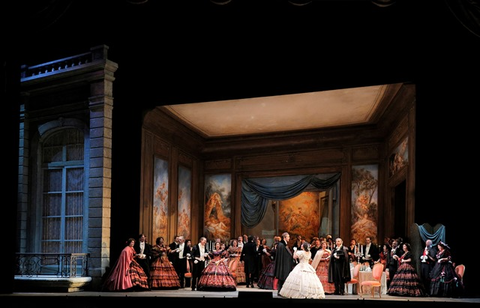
(182,51)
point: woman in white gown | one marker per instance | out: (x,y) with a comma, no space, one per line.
(303,282)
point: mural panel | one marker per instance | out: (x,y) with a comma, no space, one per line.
(300,215)
(399,158)
(184,201)
(218,209)
(364,202)
(160,198)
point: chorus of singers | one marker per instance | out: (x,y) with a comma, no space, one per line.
(222,266)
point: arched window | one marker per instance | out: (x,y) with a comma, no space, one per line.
(62,191)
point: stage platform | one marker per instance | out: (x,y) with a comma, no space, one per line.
(243,296)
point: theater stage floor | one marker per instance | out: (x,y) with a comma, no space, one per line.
(186,296)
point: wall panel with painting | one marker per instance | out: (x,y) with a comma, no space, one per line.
(218,208)
(310,214)
(364,203)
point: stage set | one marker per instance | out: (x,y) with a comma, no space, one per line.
(242,296)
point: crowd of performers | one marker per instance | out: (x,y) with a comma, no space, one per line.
(222,266)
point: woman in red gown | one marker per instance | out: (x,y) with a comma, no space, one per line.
(127,274)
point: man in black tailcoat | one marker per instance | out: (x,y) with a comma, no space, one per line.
(392,260)
(284,261)
(199,256)
(339,267)
(428,258)
(248,258)
(144,253)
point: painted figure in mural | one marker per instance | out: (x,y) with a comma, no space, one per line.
(216,223)
(160,209)
(184,223)
(301,219)
(399,159)
(363,223)
(401,156)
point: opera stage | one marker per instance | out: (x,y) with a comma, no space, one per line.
(243,296)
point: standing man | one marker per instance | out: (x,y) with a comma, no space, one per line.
(339,268)
(248,258)
(258,258)
(180,264)
(144,253)
(392,260)
(199,255)
(371,251)
(427,262)
(284,261)
(173,252)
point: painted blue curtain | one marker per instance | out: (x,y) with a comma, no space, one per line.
(256,192)
(436,237)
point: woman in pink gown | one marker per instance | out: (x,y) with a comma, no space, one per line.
(127,274)
(217,276)
(234,263)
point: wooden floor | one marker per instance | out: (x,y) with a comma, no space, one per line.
(89,299)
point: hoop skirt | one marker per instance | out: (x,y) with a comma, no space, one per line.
(235,265)
(303,282)
(163,274)
(127,274)
(216,276)
(445,282)
(321,267)
(406,281)
(267,277)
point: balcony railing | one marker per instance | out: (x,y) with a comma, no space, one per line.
(62,65)
(67,265)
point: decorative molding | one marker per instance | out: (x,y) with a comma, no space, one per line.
(290,160)
(185,159)
(218,164)
(365,153)
(161,147)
